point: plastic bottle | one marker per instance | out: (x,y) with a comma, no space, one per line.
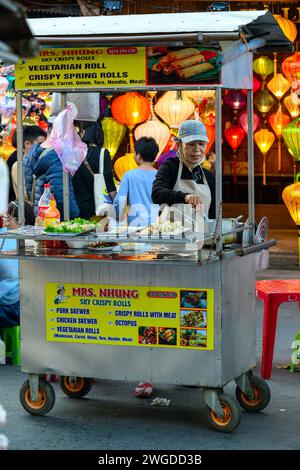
(52,214)
(44,203)
(2,352)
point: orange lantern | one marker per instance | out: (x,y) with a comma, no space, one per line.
(211,134)
(264,139)
(124,164)
(6,149)
(234,136)
(291,198)
(292,108)
(287,26)
(291,69)
(278,85)
(174,108)
(278,121)
(130,109)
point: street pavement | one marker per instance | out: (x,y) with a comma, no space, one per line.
(111,418)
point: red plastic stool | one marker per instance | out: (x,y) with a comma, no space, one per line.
(274,293)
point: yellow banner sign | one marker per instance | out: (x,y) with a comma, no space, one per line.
(165,317)
(80,68)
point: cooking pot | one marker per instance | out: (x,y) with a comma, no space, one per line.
(227,226)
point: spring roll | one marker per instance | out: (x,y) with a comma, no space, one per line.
(188,62)
(183,53)
(194,70)
(168,70)
(157,67)
(164,60)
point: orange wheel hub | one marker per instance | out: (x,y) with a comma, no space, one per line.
(35,404)
(227,416)
(254,401)
(74,386)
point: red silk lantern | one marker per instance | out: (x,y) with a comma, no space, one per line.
(236,100)
(291,69)
(244,121)
(43,125)
(234,136)
(211,134)
(256,85)
(131,109)
(278,121)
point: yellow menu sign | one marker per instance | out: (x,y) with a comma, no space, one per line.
(165,317)
(83,67)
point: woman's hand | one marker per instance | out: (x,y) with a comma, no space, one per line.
(193,200)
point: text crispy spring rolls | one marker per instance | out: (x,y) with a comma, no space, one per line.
(194,70)
(183,53)
(188,62)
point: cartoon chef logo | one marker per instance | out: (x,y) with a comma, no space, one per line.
(61,297)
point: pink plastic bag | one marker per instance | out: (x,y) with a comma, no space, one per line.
(65,140)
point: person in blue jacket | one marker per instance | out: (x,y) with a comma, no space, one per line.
(42,165)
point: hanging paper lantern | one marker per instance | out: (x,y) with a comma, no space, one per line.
(287,26)
(156,129)
(113,134)
(174,108)
(130,109)
(199,95)
(263,66)
(278,85)
(43,125)
(278,121)
(244,121)
(291,198)
(6,149)
(256,85)
(291,69)
(208,114)
(124,164)
(236,100)
(264,139)
(292,108)
(234,136)
(291,137)
(211,135)
(264,101)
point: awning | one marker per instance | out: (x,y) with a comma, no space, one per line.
(171,28)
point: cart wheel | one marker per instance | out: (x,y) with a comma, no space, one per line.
(45,402)
(232,416)
(261,392)
(79,389)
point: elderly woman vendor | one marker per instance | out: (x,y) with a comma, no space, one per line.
(182,180)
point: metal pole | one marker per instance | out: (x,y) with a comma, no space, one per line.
(20,168)
(218,167)
(251,201)
(66,188)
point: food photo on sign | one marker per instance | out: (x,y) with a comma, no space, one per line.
(189,64)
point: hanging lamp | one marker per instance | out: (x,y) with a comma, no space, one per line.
(291,137)
(236,100)
(278,85)
(287,26)
(278,121)
(154,128)
(123,164)
(113,130)
(130,109)
(291,198)
(244,121)
(292,108)
(174,108)
(264,139)
(264,101)
(263,66)
(234,136)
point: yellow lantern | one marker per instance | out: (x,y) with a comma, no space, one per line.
(287,26)
(278,85)
(291,198)
(264,102)
(278,121)
(174,108)
(263,66)
(292,108)
(6,149)
(124,164)
(114,133)
(264,139)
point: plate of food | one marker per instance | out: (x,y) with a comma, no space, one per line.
(71,228)
(190,64)
(102,246)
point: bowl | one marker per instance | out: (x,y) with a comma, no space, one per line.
(77,243)
(130,246)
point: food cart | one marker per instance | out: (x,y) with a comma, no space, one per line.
(162,314)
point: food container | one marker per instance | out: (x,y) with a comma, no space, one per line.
(77,243)
(227,226)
